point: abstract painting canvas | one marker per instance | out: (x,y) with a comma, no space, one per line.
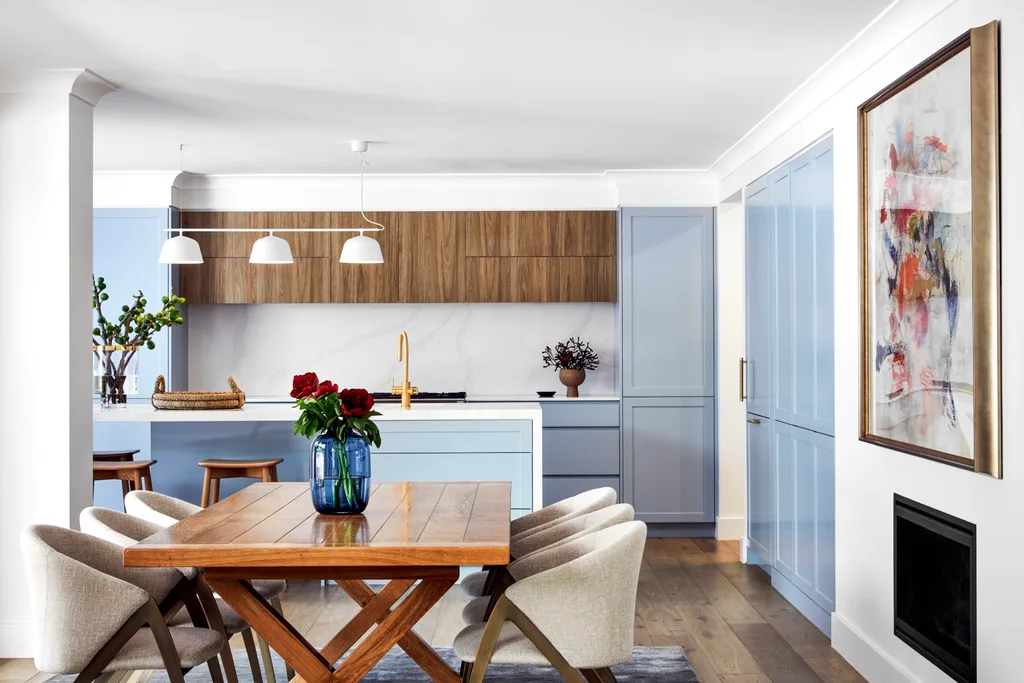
(930,233)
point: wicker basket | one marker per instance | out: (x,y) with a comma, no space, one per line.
(197,400)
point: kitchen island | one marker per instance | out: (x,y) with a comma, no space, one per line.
(430,442)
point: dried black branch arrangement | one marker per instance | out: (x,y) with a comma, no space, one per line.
(573,354)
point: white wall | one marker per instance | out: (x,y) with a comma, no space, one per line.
(45,273)
(866,475)
(732,435)
(483,349)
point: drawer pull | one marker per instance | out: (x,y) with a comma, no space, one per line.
(753,421)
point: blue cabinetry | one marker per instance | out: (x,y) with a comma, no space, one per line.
(581,447)
(667,295)
(668,458)
(668,302)
(790,387)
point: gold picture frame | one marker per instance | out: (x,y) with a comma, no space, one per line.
(909,396)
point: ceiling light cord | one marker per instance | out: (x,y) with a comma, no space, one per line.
(363,162)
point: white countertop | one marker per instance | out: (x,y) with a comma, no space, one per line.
(284,412)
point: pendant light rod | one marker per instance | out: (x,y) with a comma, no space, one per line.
(363,162)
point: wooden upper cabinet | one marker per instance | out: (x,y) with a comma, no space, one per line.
(540,233)
(429,257)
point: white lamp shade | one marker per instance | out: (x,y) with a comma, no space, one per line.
(270,249)
(181,250)
(361,249)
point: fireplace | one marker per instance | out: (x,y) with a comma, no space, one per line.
(934,586)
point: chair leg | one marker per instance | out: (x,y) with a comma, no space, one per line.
(512,613)
(268,659)
(254,660)
(213,616)
(169,653)
(214,491)
(488,641)
(138,480)
(289,672)
(205,502)
(604,675)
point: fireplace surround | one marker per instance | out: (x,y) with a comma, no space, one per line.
(935,589)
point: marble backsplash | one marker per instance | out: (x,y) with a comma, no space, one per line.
(483,349)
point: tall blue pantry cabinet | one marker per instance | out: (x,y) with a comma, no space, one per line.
(667,306)
(788,380)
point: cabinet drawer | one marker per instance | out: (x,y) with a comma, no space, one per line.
(560,488)
(582,414)
(588,451)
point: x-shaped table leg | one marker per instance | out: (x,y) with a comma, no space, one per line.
(394,626)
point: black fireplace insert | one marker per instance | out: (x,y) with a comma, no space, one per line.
(935,575)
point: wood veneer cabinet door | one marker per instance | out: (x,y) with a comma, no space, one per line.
(215,281)
(540,233)
(306,281)
(431,253)
(543,279)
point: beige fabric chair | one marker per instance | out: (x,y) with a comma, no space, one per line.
(571,606)
(124,530)
(92,615)
(482,583)
(167,511)
(566,532)
(580,504)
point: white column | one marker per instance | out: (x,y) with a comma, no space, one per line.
(45,317)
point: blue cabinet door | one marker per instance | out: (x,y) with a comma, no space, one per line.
(760,487)
(803,337)
(668,302)
(805,509)
(668,458)
(126,250)
(760,268)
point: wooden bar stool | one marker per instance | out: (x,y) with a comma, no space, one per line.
(135,474)
(116,456)
(264,470)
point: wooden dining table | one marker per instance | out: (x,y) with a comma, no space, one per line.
(413,535)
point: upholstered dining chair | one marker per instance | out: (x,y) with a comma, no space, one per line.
(91,615)
(482,582)
(167,511)
(580,504)
(566,532)
(125,530)
(572,606)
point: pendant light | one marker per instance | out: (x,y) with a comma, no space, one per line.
(361,249)
(271,249)
(181,250)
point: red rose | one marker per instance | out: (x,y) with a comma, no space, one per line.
(304,385)
(356,403)
(325,387)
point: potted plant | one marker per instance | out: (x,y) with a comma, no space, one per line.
(572,359)
(115,345)
(340,428)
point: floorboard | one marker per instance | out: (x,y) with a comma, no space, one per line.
(692,593)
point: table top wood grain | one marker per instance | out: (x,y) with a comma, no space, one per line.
(274,525)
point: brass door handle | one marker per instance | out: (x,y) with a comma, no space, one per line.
(753,421)
(743,379)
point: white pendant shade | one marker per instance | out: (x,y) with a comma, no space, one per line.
(361,249)
(181,250)
(270,249)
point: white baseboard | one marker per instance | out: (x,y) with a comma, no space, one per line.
(865,656)
(15,641)
(730,528)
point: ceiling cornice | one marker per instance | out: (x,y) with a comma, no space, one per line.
(81,83)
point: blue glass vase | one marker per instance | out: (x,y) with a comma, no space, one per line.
(339,473)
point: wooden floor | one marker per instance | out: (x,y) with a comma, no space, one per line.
(734,626)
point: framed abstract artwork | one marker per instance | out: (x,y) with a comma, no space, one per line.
(929,193)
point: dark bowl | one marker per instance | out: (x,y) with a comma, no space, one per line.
(545,394)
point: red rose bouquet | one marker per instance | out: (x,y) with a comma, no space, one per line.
(325,410)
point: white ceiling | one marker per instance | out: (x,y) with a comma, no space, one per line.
(449,86)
